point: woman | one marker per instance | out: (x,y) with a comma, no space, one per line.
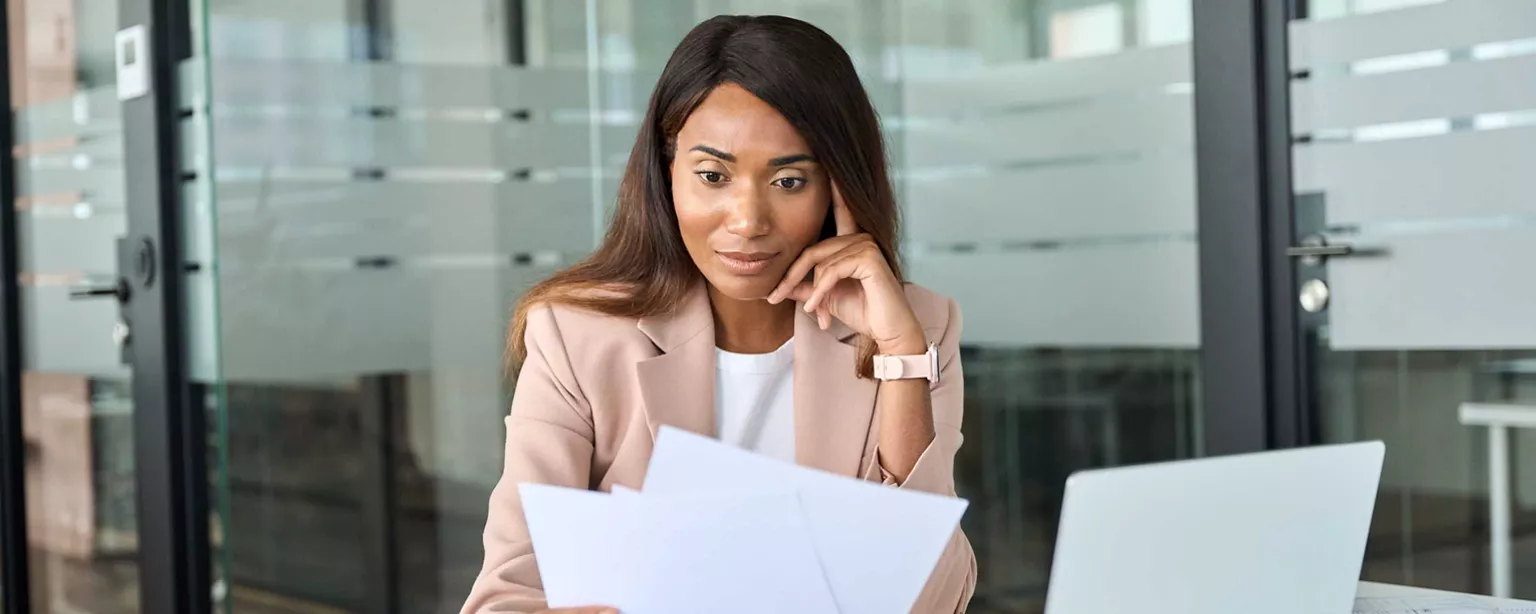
(748,288)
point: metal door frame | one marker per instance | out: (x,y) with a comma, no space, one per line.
(14,579)
(1251,355)
(170,433)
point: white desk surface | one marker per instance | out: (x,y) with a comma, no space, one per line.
(1373,589)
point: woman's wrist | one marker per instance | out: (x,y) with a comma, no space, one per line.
(908,344)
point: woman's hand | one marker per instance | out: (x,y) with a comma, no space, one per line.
(597,609)
(853,283)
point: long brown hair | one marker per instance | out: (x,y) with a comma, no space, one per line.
(642,268)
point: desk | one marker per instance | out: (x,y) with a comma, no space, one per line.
(1373,589)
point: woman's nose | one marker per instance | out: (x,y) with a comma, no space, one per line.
(748,215)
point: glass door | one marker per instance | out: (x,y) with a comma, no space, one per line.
(1414,126)
(77,403)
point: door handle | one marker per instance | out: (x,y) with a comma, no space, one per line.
(1314,250)
(1318,251)
(118,290)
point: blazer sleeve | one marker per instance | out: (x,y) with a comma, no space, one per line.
(549,441)
(953,581)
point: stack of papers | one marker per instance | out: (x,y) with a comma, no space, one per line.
(719,529)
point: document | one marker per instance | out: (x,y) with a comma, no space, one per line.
(719,529)
(878,544)
(573,533)
(701,554)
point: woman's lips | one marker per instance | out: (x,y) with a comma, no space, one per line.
(744,263)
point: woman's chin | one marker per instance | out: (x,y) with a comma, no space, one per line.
(741,288)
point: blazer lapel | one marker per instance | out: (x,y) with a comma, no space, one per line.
(833,407)
(678,386)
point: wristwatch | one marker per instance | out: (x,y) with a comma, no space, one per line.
(918,366)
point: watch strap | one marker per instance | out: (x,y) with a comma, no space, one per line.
(917,366)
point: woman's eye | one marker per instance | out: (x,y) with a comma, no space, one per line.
(791,183)
(711,176)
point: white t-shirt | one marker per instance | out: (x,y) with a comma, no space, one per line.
(755,400)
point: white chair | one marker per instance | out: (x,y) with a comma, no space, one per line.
(1499,419)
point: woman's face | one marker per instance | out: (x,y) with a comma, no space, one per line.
(748,194)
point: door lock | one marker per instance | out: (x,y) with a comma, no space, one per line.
(1314,295)
(120,335)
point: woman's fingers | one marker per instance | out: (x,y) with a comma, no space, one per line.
(801,292)
(597,609)
(836,268)
(841,215)
(808,259)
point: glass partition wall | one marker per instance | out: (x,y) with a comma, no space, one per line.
(383,178)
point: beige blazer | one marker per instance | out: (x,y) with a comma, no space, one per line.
(595,389)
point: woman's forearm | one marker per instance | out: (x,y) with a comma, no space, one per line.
(906,418)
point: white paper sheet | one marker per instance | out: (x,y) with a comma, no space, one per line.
(746,554)
(574,532)
(877,544)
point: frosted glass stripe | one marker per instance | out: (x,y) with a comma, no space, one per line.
(1448,25)
(1463,174)
(1152,196)
(1129,296)
(313,325)
(91,112)
(52,244)
(1135,125)
(1025,83)
(345,220)
(75,152)
(1460,89)
(257,83)
(66,336)
(104,183)
(358,84)
(1453,291)
(359,142)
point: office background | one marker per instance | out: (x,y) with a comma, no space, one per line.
(292,403)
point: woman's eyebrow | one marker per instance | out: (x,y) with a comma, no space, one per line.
(779,161)
(791,159)
(714,152)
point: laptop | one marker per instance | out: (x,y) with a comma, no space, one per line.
(1268,533)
